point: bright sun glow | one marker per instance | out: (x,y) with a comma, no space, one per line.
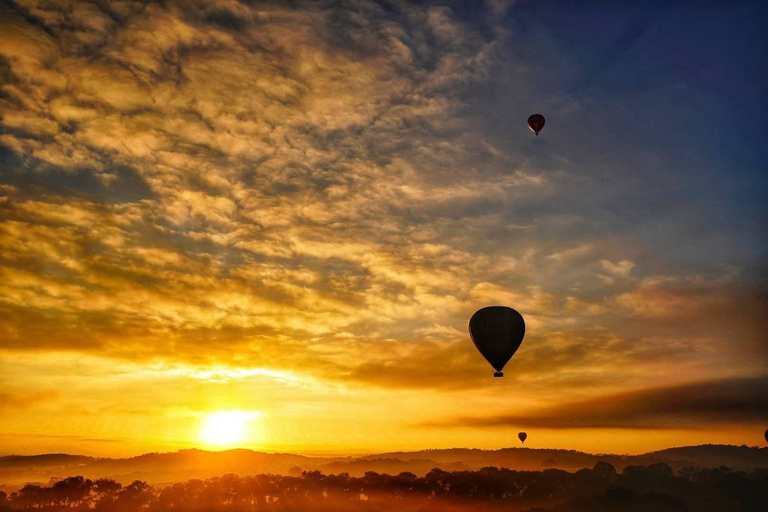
(227,427)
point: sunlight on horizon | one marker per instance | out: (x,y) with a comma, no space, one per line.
(228,428)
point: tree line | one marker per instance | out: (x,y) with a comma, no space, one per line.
(640,488)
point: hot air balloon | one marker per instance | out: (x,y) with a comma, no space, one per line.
(522,436)
(497,332)
(766,435)
(536,123)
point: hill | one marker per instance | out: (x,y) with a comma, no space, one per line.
(163,468)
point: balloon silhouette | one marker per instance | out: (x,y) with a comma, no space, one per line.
(497,332)
(765,435)
(522,436)
(536,123)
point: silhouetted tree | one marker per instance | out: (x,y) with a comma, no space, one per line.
(605,471)
(637,489)
(71,492)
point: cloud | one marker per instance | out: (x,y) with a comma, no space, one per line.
(666,297)
(312,180)
(619,269)
(684,406)
(18,401)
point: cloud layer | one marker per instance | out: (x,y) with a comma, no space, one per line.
(329,191)
(689,406)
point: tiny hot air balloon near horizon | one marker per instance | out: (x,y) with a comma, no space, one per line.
(536,123)
(522,436)
(497,332)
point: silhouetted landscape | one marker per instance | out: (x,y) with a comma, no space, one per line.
(166,468)
(637,488)
(693,478)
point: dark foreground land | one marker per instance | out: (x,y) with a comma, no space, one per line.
(654,488)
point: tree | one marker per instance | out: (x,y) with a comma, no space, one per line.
(605,471)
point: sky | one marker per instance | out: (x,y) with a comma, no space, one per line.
(285,213)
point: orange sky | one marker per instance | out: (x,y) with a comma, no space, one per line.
(216,208)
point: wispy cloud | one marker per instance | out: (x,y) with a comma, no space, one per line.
(687,406)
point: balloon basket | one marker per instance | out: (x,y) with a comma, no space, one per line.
(498,374)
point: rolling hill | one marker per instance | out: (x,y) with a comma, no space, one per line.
(163,468)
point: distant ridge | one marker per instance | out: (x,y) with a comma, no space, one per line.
(163,468)
(43,460)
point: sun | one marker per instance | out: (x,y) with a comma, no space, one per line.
(226,428)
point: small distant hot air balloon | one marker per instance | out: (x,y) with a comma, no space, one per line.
(497,332)
(522,436)
(536,123)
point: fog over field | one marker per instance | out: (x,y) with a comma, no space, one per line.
(642,483)
(164,468)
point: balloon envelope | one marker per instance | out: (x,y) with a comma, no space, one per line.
(766,435)
(536,123)
(522,436)
(497,332)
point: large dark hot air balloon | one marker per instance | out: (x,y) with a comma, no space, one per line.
(497,332)
(536,123)
(522,436)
